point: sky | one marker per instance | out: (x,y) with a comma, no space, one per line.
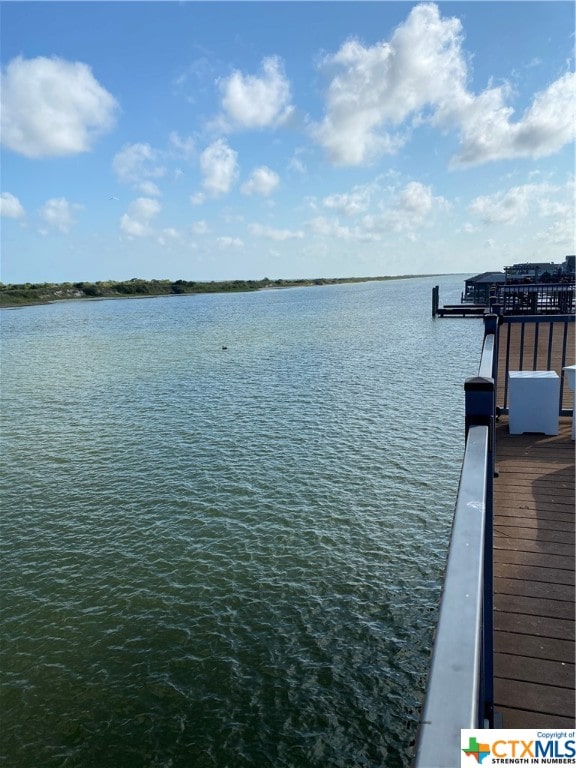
(244,140)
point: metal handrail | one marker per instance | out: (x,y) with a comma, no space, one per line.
(486,367)
(459,693)
(454,684)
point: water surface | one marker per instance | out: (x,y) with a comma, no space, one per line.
(226,557)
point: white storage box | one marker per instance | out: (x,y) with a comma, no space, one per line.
(533,402)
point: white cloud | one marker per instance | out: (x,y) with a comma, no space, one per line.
(554,208)
(263,181)
(296,164)
(488,133)
(560,232)
(409,209)
(230,242)
(560,215)
(219,167)
(137,162)
(332,228)
(144,208)
(57,213)
(11,207)
(544,210)
(379,94)
(507,207)
(133,228)
(149,188)
(320,225)
(415,199)
(536,206)
(52,107)
(350,204)
(276,234)
(136,222)
(256,102)
(375,89)
(185,147)
(200,227)
(399,210)
(167,236)
(197,199)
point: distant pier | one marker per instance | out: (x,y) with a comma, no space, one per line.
(504,299)
(454,310)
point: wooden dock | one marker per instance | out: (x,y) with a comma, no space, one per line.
(534,593)
(461,310)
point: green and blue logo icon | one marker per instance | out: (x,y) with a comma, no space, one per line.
(476,749)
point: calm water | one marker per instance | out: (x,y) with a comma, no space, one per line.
(226,557)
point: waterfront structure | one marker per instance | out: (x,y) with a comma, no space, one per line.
(539,288)
(541,272)
(477,288)
(504,646)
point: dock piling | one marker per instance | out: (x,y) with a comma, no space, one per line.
(435,300)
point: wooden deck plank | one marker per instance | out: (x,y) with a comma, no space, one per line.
(532,533)
(533,558)
(536,698)
(556,501)
(531,518)
(521,491)
(514,667)
(534,606)
(521,718)
(550,648)
(538,626)
(541,525)
(516,494)
(554,459)
(538,546)
(504,586)
(544,575)
(533,465)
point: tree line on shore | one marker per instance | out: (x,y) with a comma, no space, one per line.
(41,293)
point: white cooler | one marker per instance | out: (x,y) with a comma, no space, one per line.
(533,402)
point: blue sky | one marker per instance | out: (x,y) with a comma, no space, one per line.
(236,140)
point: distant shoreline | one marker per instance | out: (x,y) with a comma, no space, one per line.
(14,296)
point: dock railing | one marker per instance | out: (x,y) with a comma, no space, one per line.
(534,298)
(510,299)
(542,343)
(460,683)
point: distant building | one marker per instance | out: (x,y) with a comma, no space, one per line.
(541,272)
(477,289)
